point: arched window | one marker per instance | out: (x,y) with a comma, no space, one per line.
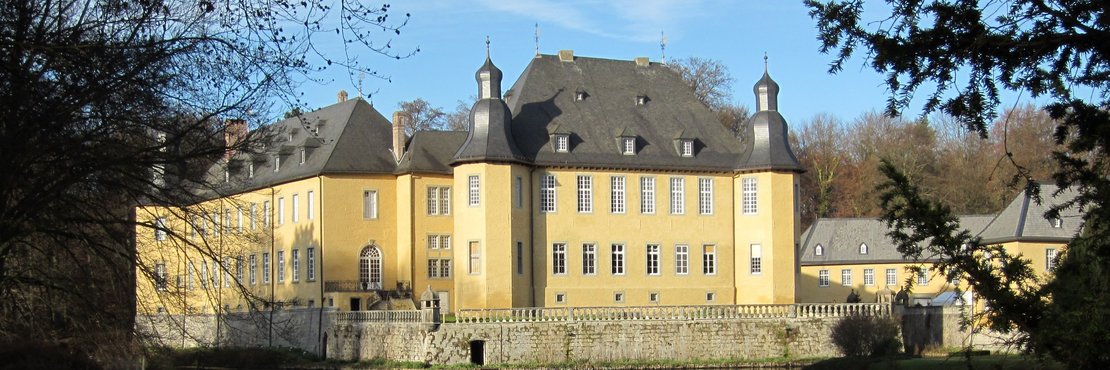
(862,248)
(370,268)
(819,250)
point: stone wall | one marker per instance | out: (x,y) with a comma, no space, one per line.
(931,327)
(297,328)
(550,342)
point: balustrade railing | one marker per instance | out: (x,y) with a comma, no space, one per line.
(382,316)
(679,313)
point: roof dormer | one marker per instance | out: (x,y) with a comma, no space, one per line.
(684,145)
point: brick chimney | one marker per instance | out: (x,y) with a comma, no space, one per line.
(235,131)
(642,62)
(342,96)
(399,120)
(566,56)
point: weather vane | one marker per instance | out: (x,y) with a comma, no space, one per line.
(361,76)
(662,47)
(537,38)
(487,46)
(764,61)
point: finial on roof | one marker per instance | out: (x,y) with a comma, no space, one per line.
(662,47)
(537,39)
(487,46)
(764,62)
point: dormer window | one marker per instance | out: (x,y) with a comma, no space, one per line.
(628,145)
(277,163)
(250,170)
(227,175)
(580,95)
(562,143)
(641,99)
(862,248)
(686,147)
(819,250)
(290,138)
(1057,223)
(303,155)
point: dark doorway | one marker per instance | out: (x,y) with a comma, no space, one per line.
(324,347)
(356,304)
(478,352)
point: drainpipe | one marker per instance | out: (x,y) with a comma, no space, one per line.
(273,283)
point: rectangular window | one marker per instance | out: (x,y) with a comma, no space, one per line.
(277,163)
(678,192)
(709,259)
(296,259)
(281,266)
(559,259)
(160,229)
(748,199)
(923,276)
(204,274)
(687,148)
(562,143)
(585,194)
(547,193)
(433,268)
(227,219)
(757,259)
(433,201)
(239,219)
(589,259)
(653,259)
(445,241)
(252,265)
(226,267)
(846,277)
(647,195)
(239,269)
(618,259)
(214,275)
(518,192)
(311,204)
(628,145)
(1050,259)
(433,241)
(681,259)
(161,277)
(296,208)
(869,277)
(445,200)
(519,258)
(445,268)
(281,211)
(823,278)
(616,193)
(473,196)
(369,204)
(475,250)
(311,266)
(266,273)
(266,213)
(192,269)
(705,196)
(891,277)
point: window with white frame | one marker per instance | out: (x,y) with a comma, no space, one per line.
(559,259)
(253,215)
(369,204)
(160,228)
(252,266)
(311,204)
(310,263)
(862,248)
(239,269)
(653,259)
(239,219)
(647,195)
(296,208)
(296,260)
(923,276)
(280,266)
(281,210)
(277,163)
(678,196)
(433,241)
(475,253)
(475,191)
(445,241)
(161,277)
(304,155)
(709,259)
(589,259)
(748,198)
(1050,259)
(1057,222)
(439,200)
(191,274)
(204,274)
(681,259)
(250,170)
(226,268)
(433,268)
(705,196)
(547,193)
(628,145)
(891,277)
(686,148)
(562,143)
(756,259)
(445,267)
(266,273)
(617,256)
(823,278)
(616,194)
(266,213)
(585,194)
(818,250)
(518,192)
(846,277)
(560,298)
(227,219)
(869,277)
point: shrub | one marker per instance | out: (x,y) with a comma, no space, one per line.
(858,336)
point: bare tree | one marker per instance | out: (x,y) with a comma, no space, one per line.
(459,120)
(709,79)
(422,116)
(819,148)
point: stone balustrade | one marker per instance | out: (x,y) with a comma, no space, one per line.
(673,313)
(412,316)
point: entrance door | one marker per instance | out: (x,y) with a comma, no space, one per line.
(356,304)
(370,268)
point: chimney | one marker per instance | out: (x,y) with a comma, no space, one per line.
(566,56)
(399,120)
(342,96)
(235,131)
(642,62)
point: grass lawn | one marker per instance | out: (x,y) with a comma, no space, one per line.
(992,362)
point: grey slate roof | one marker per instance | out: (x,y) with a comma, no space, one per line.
(543,102)
(431,152)
(349,137)
(1023,219)
(489,137)
(841,239)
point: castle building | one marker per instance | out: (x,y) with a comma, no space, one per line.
(590,182)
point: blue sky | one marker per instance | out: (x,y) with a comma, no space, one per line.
(451,37)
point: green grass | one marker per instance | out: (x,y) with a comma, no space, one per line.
(642,364)
(992,362)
